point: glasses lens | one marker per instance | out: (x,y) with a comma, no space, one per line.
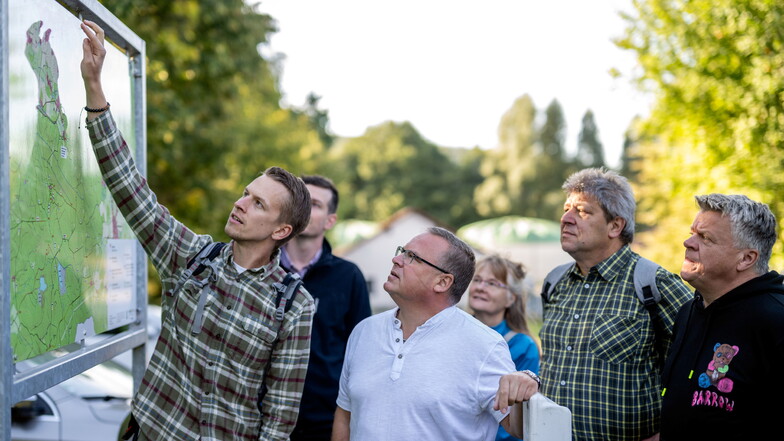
(406,254)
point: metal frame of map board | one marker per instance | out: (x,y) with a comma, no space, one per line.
(18,386)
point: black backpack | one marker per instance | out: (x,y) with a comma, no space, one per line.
(285,290)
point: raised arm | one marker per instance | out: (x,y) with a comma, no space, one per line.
(92,63)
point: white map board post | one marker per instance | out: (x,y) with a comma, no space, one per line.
(70,267)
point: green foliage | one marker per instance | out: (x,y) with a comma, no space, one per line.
(391,167)
(319,119)
(523,176)
(553,165)
(590,152)
(718,121)
(507,166)
(630,156)
(214,122)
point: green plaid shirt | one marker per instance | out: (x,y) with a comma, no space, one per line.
(206,385)
(598,352)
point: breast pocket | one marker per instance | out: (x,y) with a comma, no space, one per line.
(616,338)
(254,339)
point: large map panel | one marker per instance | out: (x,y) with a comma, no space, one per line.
(72,254)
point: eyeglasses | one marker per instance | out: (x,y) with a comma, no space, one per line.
(489,282)
(411,256)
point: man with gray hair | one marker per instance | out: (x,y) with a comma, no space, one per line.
(722,375)
(602,349)
(427,369)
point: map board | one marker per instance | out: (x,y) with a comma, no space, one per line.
(73,260)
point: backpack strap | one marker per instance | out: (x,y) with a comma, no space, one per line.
(648,293)
(645,282)
(196,266)
(285,292)
(552,279)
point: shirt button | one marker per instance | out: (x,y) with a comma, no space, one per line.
(563,383)
(399,355)
(587,285)
(397,340)
(229,308)
(210,364)
(576,316)
(203,422)
(206,393)
(568,348)
(397,321)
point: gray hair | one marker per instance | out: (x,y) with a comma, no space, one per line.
(611,190)
(459,260)
(752,223)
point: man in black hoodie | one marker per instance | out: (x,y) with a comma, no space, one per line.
(722,376)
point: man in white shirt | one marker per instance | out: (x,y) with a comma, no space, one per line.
(426,369)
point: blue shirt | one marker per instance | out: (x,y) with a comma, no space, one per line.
(525,355)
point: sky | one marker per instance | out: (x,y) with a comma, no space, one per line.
(452,68)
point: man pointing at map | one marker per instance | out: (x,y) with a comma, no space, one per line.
(224,367)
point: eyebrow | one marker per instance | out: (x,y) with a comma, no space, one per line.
(257,197)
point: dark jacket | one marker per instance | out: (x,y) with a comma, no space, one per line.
(342,301)
(722,375)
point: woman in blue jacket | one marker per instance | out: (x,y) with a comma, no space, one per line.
(497,298)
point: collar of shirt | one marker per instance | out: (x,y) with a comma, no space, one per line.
(285,262)
(276,259)
(430,323)
(610,267)
(501,328)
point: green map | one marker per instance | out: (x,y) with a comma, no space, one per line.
(72,255)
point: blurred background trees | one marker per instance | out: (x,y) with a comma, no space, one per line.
(213,116)
(392,166)
(716,69)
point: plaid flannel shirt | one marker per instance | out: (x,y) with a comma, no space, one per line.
(206,385)
(598,352)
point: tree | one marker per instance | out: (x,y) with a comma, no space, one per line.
(630,154)
(552,165)
(590,152)
(468,177)
(718,121)
(391,166)
(506,167)
(213,118)
(523,176)
(319,119)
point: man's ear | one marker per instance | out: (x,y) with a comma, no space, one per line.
(747,259)
(615,227)
(444,283)
(332,219)
(282,232)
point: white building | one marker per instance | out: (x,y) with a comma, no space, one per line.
(374,254)
(535,243)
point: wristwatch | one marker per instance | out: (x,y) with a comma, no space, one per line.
(534,376)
